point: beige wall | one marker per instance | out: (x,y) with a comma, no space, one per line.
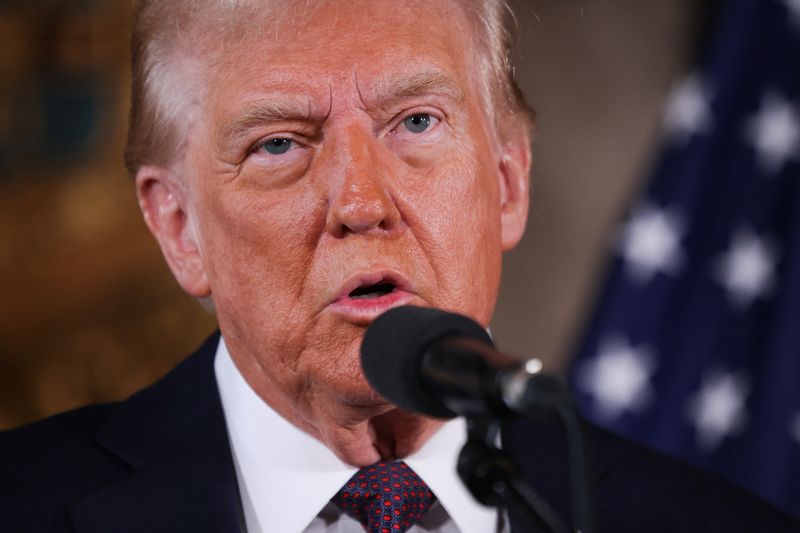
(91,314)
(597,73)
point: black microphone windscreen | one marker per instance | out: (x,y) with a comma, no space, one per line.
(393,348)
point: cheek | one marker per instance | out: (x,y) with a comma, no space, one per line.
(458,225)
(259,248)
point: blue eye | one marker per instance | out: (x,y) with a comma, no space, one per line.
(417,123)
(277,146)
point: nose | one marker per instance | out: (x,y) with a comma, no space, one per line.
(360,200)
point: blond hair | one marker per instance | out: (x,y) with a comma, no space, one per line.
(164,30)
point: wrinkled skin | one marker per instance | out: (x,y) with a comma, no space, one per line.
(350,145)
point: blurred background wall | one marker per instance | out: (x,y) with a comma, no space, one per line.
(89,311)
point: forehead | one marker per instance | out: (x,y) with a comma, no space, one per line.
(313,47)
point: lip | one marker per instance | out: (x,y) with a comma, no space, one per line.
(364,310)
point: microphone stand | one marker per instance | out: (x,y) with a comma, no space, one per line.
(493,478)
(538,396)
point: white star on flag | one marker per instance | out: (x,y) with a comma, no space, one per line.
(794,10)
(747,269)
(650,243)
(774,132)
(794,427)
(618,378)
(688,110)
(718,409)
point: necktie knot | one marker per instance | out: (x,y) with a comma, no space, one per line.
(387,497)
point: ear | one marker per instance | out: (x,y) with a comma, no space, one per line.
(514,172)
(164,206)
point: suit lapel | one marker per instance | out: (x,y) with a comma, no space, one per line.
(173,439)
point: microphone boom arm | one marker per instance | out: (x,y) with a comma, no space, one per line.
(493,478)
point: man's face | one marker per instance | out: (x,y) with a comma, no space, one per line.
(345,164)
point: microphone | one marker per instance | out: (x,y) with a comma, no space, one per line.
(445,365)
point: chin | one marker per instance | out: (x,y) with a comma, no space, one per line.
(334,359)
(355,391)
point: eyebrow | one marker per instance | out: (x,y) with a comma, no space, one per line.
(424,83)
(266,111)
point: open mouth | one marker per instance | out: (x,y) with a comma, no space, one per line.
(366,295)
(375,290)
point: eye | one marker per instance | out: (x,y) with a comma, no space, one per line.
(277,146)
(419,122)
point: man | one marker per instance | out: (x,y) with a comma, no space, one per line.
(306,166)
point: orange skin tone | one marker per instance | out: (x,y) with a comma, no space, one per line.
(273,237)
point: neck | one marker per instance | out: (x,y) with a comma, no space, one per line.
(392,435)
(359,433)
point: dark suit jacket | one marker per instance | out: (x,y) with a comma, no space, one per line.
(161,462)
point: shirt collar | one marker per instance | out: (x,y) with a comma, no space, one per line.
(276,461)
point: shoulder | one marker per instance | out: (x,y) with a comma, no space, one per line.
(48,467)
(639,489)
(48,464)
(44,448)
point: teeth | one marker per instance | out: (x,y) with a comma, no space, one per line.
(368,295)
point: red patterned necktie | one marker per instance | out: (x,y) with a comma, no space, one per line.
(387,497)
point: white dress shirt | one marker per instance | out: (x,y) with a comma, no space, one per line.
(286,477)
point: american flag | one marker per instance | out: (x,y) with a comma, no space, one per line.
(694,345)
